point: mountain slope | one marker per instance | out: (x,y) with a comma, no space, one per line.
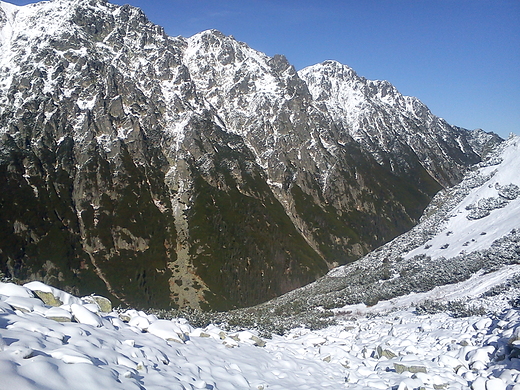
(161,171)
(469,231)
(80,344)
(399,131)
(307,158)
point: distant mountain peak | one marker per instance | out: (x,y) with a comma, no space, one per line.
(392,127)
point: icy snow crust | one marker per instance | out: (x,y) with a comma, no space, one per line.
(133,350)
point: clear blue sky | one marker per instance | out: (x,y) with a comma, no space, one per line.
(460,57)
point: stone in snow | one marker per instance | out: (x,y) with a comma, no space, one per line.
(85,316)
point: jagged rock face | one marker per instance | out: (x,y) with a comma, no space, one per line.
(183,172)
(327,184)
(83,120)
(399,131)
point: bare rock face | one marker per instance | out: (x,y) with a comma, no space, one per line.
(195,172)
(400,132)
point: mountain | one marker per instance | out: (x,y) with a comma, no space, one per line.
(197,172)
(463,254)
(399,131)
(437,307)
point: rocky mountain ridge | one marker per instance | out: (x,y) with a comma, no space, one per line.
(399,131)
(162,171)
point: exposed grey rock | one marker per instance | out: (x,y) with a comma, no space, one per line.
(258,341)
(385,352)
(414,369)
(104,304)
(165,172)
(58,314)
(48,298)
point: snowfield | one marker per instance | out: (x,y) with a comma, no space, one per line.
(78,346)
(489,210)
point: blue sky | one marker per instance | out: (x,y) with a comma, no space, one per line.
(460,57)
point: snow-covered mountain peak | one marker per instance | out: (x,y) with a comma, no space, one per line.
(222,49)
(337,85)
(345,92)
(222,67)
(331,68)
(247,89)
(7,10)
(392,127)
(113,128)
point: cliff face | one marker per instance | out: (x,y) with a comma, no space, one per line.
(193,172)
(400,132)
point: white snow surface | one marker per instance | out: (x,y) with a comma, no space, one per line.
(470,291)
(398,350)
(458,234)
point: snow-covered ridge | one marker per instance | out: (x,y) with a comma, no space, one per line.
(347,94)
(490,209)
(107,95)
(82,344)
(390,126)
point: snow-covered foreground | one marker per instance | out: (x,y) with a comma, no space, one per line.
(40,348)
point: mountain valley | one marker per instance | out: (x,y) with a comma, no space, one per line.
(190,213)
(163,170)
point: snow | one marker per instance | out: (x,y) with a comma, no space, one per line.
(234,65)
(84,316)
(13,290)
(459,234)
(76,346)
(64,297)
(86,104)
(467,290)
(10,11)
(399,349)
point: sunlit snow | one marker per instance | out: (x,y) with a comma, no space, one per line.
(462,235)
(41,349)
